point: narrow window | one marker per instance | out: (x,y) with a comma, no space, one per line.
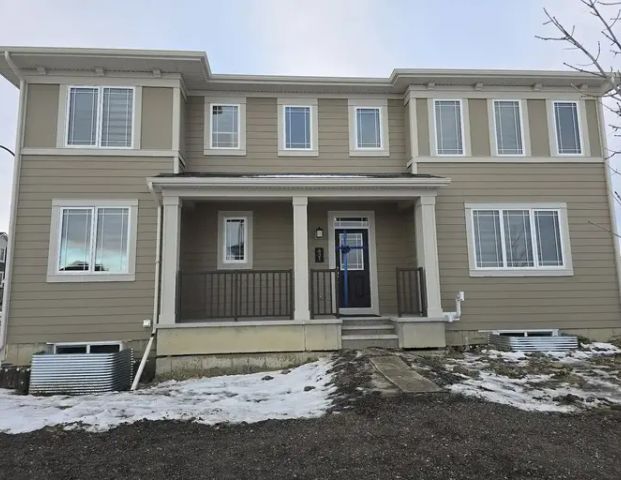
(368,129)
(508,127)
(488,240)
(225,126)
(548,238)
(567,128)
(297,127)
(117,117)
(449,137)
(83,115)
(518,240)
(94,240)
(235,240)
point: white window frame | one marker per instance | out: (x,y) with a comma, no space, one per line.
(537,270)
(311,104)
(553,132)
(465,147)
(58,207)
(223,263)
(210,102)
(355,104)
(98,127)
(523,126)
(211,106)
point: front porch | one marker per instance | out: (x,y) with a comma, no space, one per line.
(284,267)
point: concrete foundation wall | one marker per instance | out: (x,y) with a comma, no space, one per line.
(420,334)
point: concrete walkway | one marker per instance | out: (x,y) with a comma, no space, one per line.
(402,375)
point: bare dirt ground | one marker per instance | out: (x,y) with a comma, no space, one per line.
(365,436)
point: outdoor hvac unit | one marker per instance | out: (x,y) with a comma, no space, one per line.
(83,368)
(533,340)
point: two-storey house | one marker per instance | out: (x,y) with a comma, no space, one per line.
(257,215)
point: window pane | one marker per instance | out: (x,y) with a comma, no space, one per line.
(225,126)
(448,127)
(111,240)
(82,128)
(234,239)
(548,239)
(487,238)
(117,117)
(355,256)
(297,127)
(518,240)
(368,128)
(75,240)
(508,128)
(567,131)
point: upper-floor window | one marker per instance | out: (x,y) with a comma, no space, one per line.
(567,128)
(449,127)
(368,128)
(516,238)
(2,254)
(297,127)
(225,122)
(100,117)
(91,239)
(508,127)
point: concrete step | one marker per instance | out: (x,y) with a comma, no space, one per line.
(367,341)
(379,329)
(365,321)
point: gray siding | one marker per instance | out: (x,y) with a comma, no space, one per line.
(46,312)
(588,299)
(262,141)
(41,116)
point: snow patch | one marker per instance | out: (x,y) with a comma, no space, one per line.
(233,398)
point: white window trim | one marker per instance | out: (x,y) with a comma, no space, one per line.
(354,104)
(465,129)
(53,275)
(310,103)
(210,102)
(100,88)
(248,237)
(524,126)
(475,271)
(582,122)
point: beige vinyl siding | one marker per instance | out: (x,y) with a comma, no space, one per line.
(47,312)
(41,116)
(272,239)
(479,127)
(588,299)
(157,108)
(262,141)
(593,121)
(538,123)
(422,125)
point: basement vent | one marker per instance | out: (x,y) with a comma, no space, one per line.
(81,369)
(533,340)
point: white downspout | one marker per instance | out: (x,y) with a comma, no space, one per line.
(156,300)
(12,222)
(455,316)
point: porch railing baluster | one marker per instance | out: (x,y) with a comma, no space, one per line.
(410,288)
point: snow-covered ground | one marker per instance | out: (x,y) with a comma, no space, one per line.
(301,392)
(550,382)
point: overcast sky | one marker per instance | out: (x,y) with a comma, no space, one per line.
(311,37)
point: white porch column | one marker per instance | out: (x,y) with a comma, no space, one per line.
(427,251)
(300,258)
(171,233)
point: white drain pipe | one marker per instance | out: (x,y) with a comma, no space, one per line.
(451,317)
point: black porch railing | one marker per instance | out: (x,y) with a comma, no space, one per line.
(324,292)
(411,296)
(235,294)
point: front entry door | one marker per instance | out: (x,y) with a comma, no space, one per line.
(352,261)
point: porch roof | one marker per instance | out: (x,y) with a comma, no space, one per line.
(376,185)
